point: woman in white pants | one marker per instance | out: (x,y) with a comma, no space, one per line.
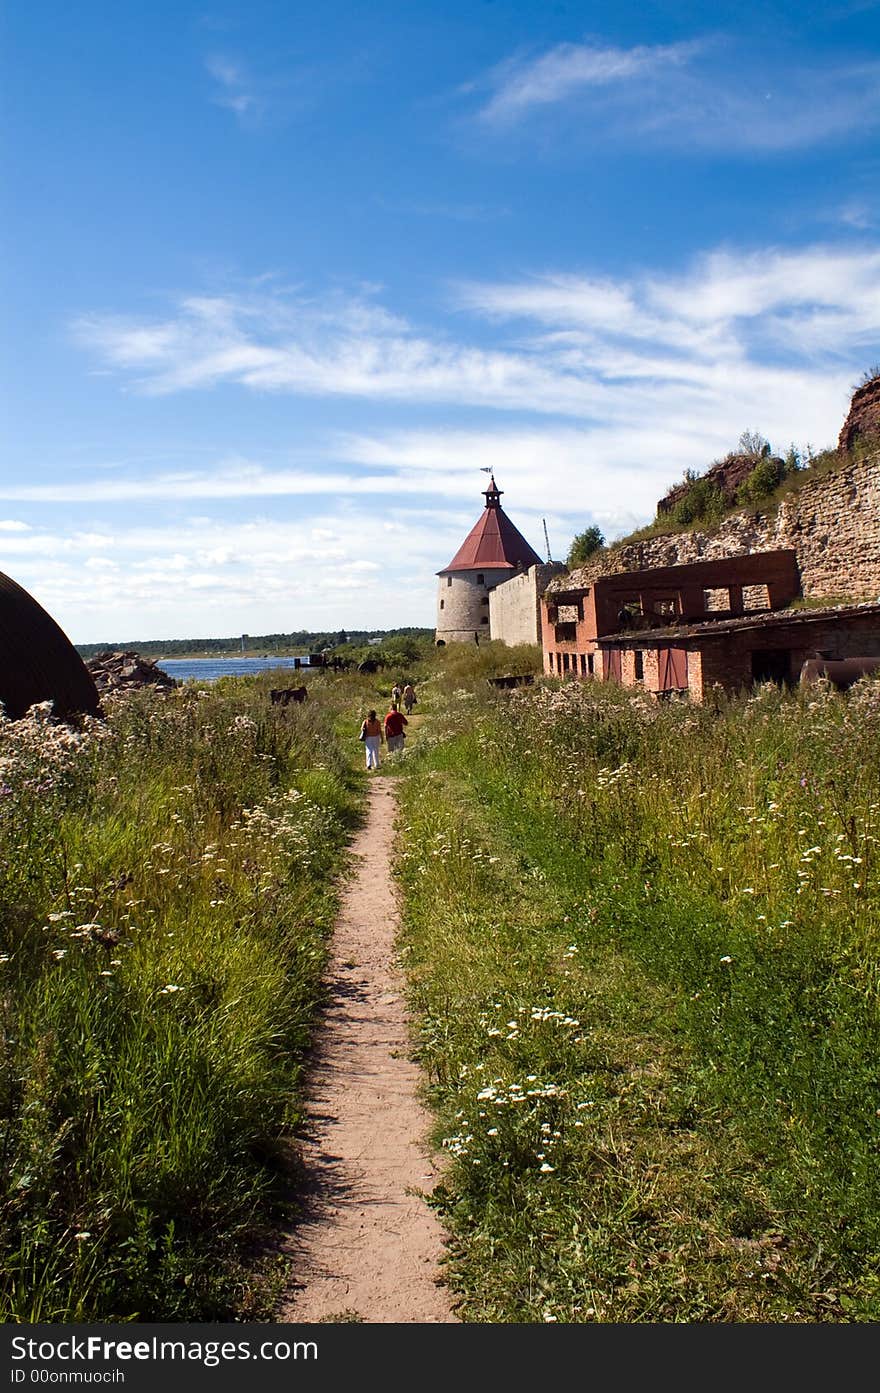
(371,734)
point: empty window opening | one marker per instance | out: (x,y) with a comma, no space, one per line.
(485,619)
(449,580)
(565,662)
(590,667)
(639,665)
(665,607)
(479,577)
(566,633)
(755,597)
(442,604)
(716,599)
(583,665)
(485,600)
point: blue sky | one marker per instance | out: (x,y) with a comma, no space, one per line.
(279,279)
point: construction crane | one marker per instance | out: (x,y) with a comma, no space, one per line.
(546,539)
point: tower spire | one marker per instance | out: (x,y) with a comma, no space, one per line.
(493,493)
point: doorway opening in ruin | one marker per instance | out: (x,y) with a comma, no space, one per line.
(772,665)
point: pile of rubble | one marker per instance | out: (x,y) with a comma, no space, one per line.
(112,672)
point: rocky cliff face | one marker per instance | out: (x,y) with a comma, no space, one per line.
(726,474)
(862,425)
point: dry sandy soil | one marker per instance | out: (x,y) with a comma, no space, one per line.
(367,1247)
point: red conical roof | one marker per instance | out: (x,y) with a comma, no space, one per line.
(493,543)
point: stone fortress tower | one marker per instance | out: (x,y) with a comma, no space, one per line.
(492,552)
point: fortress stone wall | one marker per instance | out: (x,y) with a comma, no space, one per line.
(832,522)
(515,604)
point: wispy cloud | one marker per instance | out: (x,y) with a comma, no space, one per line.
(339,347)
(234,87)
(748,326)
(560,73)
(703,94)
(855,213)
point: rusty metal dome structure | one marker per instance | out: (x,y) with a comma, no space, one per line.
(37,660)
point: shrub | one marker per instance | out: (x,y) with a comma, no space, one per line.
(703,502)
(583,546)
(764,479)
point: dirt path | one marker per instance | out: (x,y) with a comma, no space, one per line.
(366,1247)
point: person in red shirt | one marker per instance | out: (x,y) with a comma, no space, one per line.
(394,729)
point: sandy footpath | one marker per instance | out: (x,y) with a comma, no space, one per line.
(366,1247)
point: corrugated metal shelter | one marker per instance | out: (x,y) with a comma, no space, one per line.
(37,660)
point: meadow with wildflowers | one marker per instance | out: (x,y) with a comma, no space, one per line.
(166,884)
(642,942)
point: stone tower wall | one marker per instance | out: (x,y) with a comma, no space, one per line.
(832,522)
(461,610)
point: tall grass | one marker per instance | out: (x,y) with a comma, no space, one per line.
(165,887)
(643,946)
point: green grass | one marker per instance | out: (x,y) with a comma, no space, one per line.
(642,945)
(166,884)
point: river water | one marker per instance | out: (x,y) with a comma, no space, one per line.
(209,669)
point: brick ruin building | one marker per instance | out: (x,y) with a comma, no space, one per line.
(636,603)
(733,653)
(683,629)
(680,612)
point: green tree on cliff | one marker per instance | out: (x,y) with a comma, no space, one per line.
(583,546)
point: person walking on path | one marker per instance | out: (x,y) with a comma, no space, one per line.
(395,734)
(409,698)
(371,734)
(396,694)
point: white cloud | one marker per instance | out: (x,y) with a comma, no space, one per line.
(789,325)
(338,348)
(259,575)
(234,87)
(568,68)
(705,94)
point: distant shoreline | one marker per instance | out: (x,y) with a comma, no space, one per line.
(292,645)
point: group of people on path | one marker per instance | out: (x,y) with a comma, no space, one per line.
(407,696)
(391,731)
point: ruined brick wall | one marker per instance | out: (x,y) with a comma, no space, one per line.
(515,604)
(833,523)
